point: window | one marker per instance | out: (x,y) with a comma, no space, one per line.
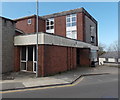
(92,34)
(72,34)
(92,39)
(23,53)
(71,26)
(71,20)
(30,53)
(91,30)
(29,21)
(49,24)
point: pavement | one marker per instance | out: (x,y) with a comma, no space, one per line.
(21,80)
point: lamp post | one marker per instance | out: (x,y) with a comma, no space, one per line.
(37,38)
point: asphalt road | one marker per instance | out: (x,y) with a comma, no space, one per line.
(99,86)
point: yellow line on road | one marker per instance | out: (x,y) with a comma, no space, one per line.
(41,88)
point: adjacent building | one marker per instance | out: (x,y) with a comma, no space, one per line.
(66,40)
(110,58)
(7,33)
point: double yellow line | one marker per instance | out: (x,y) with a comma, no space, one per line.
(41,88)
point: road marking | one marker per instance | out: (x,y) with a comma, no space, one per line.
(41,88)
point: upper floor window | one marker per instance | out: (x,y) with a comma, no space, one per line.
(92,39)
(92,33)
(50,24)
(71,20)
(92,30)
(29,21)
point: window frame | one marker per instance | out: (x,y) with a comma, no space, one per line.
(69,34)
(49,25)
(69,23)
(92,39)
(29,21)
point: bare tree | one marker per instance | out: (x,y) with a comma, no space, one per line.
(101,50)
(115,46)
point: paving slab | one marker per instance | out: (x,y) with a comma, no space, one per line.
(12,85)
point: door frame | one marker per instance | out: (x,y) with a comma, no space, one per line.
(25,61)
(34,62)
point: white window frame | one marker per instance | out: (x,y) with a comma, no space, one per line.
(23,61)
(50,25)
(34,61)
(69,23)
(92,34)
(71,30)
(92,39)
(29,21)
(26,60)
(71,34)
(92,30)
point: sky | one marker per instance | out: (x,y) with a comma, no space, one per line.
(106,13)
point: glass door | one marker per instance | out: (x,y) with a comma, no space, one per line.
(28,58)
(23,58)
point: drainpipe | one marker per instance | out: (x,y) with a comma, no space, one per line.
(37,38)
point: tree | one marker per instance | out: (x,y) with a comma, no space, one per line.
(115,46)
(101,49)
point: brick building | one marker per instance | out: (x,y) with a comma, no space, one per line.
(66,41)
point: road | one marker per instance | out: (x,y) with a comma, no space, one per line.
(98,86)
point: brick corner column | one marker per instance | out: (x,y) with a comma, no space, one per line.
(81,26)
(16,59)
(41,61)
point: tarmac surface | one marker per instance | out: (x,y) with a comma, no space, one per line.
(27,80)
(103,86)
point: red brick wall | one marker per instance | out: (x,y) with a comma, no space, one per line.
(80,27)
(42,25)
(60,26)
(84,57)
(16,59)
(18,33)
(55,59)
(30,28)
(25,27)
(71,58)
(41,53)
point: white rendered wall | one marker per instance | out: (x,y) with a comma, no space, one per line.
(111,60)
(51,40)
(101,60)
